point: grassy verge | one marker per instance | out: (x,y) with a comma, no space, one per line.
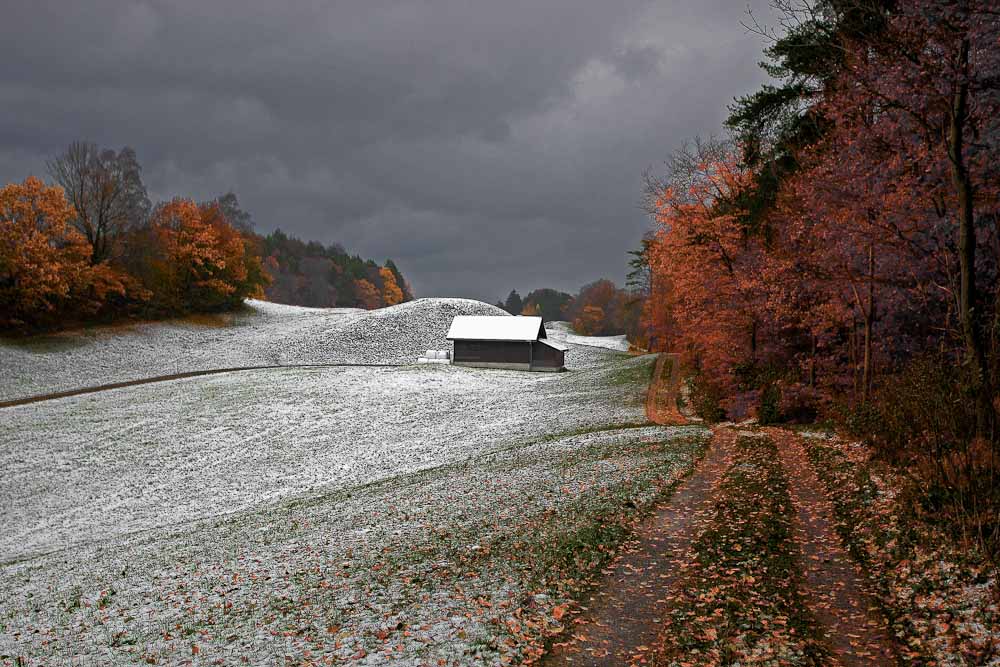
(741,602)
(941,598)
(638,373)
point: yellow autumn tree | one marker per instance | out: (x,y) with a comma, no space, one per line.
(391,292)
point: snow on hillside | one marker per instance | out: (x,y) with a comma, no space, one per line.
(171,452)
(370,515)
(561,331)
(585,351)
(263,334)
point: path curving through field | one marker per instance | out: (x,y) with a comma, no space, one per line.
(622,619)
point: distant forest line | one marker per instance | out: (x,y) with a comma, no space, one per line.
(600,308)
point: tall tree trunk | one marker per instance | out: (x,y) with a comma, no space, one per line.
(867,310)
(869,322)
(974,346)
(854,354)
(866,377)
(812,363)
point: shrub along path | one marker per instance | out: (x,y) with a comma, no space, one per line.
(742,565)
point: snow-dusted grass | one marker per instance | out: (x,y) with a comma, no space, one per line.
(118,461)
(262,334)
(373,515)
(562,332)
(448,563)
(585,351)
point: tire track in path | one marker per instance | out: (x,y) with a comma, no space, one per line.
(855,632)
(622,617)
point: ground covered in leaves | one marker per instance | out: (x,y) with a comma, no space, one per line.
(785,550)
(740,599)
(941,599)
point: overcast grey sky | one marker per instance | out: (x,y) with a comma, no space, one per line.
(483,145)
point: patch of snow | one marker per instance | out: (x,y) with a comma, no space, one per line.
(491,327)
(128,459)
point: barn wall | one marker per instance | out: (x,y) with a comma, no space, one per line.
(496,352)
(547,356)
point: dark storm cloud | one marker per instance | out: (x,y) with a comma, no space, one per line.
(483,145)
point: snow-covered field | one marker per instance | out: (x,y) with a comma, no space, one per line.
(263,334)
(94,466)
(403,515)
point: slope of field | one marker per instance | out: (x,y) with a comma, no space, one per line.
(408,515)
(262,334)
(563,332)
(89,467)
(585,351)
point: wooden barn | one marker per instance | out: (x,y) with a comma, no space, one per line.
(499,341)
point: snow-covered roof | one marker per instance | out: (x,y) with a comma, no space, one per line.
(555,345)
(496,327)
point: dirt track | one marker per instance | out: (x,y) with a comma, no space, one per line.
(854,632)
(621,619)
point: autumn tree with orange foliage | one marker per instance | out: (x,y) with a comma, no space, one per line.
(202,262)
(367,294)
(391,292)
(842,256)
(589,321)
(603,298)
(45,269)
(91,252)
(709,261)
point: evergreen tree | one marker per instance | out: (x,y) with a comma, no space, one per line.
(513,304)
